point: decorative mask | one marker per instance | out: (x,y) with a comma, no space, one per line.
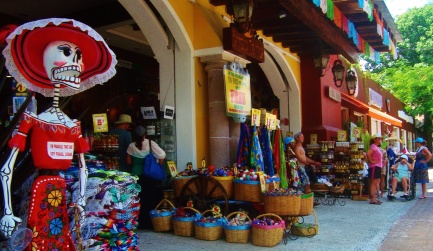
(63,62)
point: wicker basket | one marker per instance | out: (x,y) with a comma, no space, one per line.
(208,231)
(267,236)
(162,221)
(307,202)
(282,205)
(184,226)
(226,182)
(306,229)
(237,234)
(247,190)
(179,182)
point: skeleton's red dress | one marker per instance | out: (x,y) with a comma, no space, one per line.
(52,147)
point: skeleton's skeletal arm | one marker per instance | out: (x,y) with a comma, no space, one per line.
(9,221)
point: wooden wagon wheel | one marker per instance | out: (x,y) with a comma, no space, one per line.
(204,191)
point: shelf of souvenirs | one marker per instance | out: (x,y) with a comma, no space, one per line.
(342,148)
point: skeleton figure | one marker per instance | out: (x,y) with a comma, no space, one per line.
(54,136)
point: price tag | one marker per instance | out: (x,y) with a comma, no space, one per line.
(262,181)
(255,117)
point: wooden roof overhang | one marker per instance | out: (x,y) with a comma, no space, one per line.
(305,30)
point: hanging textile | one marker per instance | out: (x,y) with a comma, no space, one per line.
(282,166)
(337,17)
(330,9)
(377,57)
(372,53)
(323,6)
(367,49)
(256,159)
(361,44)
(394,51)
(344,24)
(277,150)
(386,37)
(267,151)
(317,2)
(243,153)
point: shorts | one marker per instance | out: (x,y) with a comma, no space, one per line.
(377,172)
(400,177)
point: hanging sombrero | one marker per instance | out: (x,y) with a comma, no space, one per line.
(26,45)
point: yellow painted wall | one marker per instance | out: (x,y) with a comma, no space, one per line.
(201,100)
(203,23)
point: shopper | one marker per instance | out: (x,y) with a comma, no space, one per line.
(375,162)
(136,153)
(124,138)
(402,175)
(384,172)
(307,164)
(390,153)
(423,155)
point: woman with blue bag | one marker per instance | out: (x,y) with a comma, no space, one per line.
(136,154)
(423,155)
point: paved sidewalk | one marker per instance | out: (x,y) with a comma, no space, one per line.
(414,230)
(394,225)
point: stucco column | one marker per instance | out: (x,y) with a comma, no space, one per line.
(223,131)
(235,132)
(218,121)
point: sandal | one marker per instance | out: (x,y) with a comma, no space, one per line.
(422,197)
(376,202)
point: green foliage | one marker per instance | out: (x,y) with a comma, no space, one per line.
(410,77)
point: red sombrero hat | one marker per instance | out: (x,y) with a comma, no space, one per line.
(26,44)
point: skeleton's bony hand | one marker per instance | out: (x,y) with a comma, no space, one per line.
(81,215)
(8,224)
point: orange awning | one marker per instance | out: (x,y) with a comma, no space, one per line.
(372,112)
(348,101)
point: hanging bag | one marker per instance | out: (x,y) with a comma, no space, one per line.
(152,168)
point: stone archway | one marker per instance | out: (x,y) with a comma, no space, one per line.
(174,52)
(286,90)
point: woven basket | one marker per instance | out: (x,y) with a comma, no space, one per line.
(306,229)
(178,184)
(282,205)
(267,236)
(247,190)
(162,221)
(237,234)
(226,182)
(307,202)
(184,226)
(208,231)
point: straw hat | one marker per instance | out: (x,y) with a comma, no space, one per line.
(124,118)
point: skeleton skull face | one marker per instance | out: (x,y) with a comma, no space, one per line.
(63,63)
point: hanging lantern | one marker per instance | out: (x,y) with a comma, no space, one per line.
(351,81)
(321,63)
(338,72)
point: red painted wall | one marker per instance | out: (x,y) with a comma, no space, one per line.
(320,114)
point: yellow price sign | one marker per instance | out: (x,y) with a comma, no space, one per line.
(262,181)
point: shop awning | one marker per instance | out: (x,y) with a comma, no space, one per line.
(372,112)
(349,102)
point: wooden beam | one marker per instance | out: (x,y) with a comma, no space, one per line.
(320,24)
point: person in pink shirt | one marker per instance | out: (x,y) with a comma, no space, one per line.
(375,163)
